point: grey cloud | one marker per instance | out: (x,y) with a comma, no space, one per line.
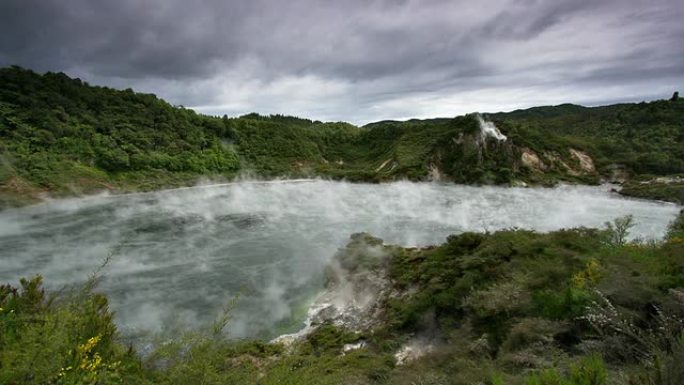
(527,19)
(122,38)
(354,60)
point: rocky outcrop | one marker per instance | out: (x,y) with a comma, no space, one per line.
(531,160)
(434,174)
(616,173)
(357,287)
(556,162)
(357,284)
(580,163)
(586,164)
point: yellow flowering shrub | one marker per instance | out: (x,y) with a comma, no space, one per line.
(587,277)
(89,368)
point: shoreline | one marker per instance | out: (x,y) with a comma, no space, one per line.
(44,198)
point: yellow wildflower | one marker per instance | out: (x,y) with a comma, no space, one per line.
(89,345)
(590,275)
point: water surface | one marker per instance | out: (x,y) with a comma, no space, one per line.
(181,255)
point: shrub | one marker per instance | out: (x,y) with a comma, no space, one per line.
(618,230)
(66,340)
(642,339)
(504,297)
(566,304)
(545,377)
(588,371)
(531,331)
(675,232)
(666,368)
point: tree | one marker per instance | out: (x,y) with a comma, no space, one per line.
(618,230)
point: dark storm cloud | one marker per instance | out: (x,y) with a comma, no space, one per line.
(526,19)
(117,38)
(355,60)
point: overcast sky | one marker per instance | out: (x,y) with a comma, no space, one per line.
(356,60)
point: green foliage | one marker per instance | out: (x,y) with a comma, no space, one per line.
(666,368)
(671,192)
(494,277)
(66,340)
(364,252)
(675,232)
(568,303)
(328,339)
(618,230)
(531,332)
(497,379)
(647,138)
(50,120)
(532,308)
(50,123)
(589,371)
(546,377)
(504,302)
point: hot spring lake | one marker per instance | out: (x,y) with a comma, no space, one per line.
(179,256)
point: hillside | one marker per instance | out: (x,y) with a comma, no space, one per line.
(61,136)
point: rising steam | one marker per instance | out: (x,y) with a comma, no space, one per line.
(489,130)
(182,254)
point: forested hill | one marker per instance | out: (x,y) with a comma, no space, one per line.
(63,136)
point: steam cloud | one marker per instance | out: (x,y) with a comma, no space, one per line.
(182,254)
(488,129)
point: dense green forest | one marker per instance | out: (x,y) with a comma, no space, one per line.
(570,307)
(62,136)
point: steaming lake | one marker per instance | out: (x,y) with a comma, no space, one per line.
(181,255)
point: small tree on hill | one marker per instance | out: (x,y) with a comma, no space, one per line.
(618,230)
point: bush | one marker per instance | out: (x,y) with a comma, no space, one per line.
(566,304)
(618,230)
(666,368)
(500,298)
(546,377)
(675,232)
(531,331)
(588,371)
(67,340)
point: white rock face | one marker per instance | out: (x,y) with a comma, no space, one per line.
(585,161)
(531,160)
